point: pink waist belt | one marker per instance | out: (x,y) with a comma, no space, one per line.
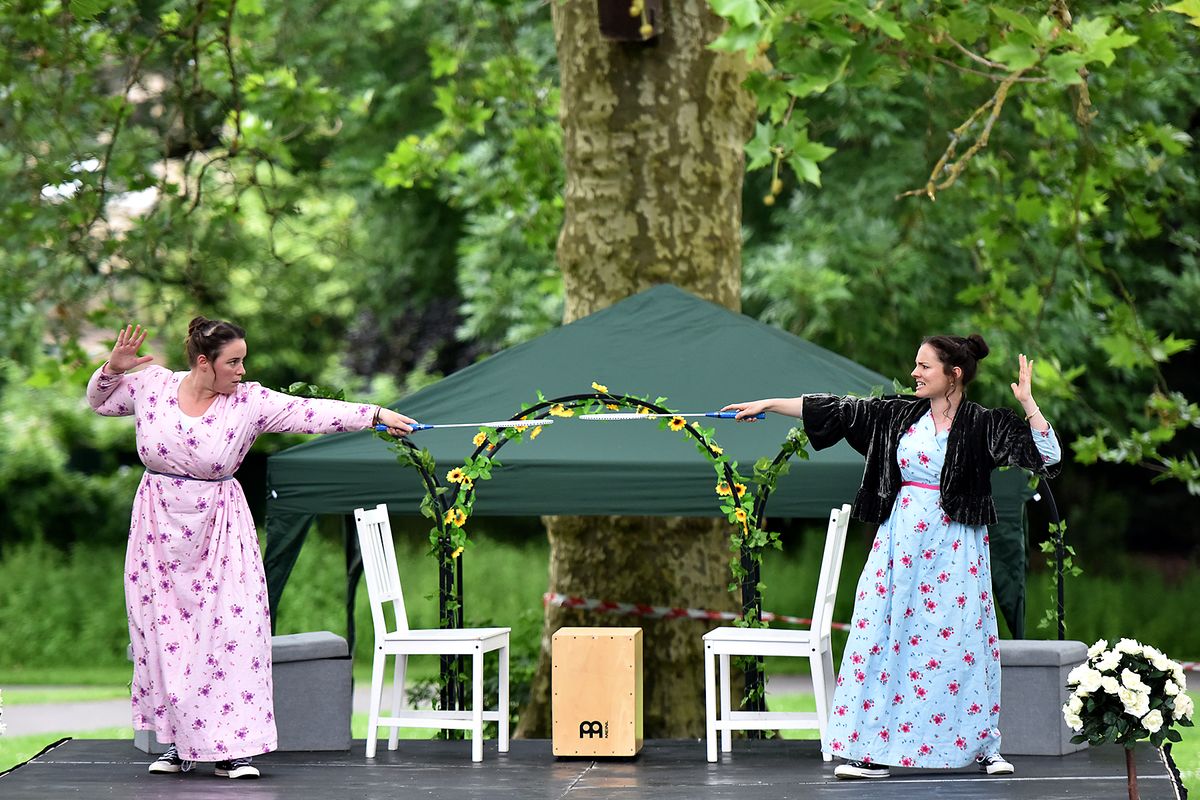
(933,486)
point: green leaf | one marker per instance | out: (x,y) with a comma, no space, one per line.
(87,9)
(758,149)
(736,40)
(742,12)
(1189,8)
(1016,19)
(1015,55)
(1064,68)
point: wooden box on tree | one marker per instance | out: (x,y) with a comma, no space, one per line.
(597,691)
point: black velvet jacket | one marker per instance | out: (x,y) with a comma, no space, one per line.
(980,440)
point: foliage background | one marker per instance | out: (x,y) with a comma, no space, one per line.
(374,191)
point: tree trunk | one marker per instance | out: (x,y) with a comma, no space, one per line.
(653,142)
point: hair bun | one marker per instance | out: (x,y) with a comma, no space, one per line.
(197,322)
(977,346)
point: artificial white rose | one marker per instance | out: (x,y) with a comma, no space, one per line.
(1170,688)
(1131,680)
(1089,680)
(1159,660)
(1136,703)
(1131,646)
(1073,721)
(1076,675)
(1074,704)
(1098,648)
(1180,678)
(1183,707)
(1153,721)
(1109,661)
(1110,685)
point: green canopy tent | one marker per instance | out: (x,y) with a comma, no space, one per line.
(661,342)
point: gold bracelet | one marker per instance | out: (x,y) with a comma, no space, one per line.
(1036,411)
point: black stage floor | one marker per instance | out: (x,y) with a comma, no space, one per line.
(665,770)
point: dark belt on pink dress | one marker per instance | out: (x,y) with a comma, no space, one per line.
(186,477)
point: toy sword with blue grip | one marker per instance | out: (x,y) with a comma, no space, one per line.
(509,423)
(717,414)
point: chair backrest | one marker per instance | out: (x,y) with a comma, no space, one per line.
(831,570)
(379,567)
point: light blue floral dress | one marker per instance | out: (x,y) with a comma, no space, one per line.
(920,677)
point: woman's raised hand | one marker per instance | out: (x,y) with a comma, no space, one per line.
(124,355)
(1023,388)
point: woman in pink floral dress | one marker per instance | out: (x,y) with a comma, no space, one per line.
(920,678)
(194,584)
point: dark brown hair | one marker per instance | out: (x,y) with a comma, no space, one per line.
(962,352)
(206,337)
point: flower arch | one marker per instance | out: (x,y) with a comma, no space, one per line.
(449,505)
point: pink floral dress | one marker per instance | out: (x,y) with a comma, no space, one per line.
(194,584)
(919,684)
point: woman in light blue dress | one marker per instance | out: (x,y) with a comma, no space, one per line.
(919,684)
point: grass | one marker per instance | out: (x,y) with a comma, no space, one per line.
(18,696)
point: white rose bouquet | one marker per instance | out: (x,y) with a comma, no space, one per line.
(1127,693)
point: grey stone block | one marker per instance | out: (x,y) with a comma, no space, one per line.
(1033,689)
(311,676)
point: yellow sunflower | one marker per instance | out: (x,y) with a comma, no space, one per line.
(479,439)
(644,410)
(741,489)
(455,475)
(740,515)
(677,423)
(467,483)
(536,432)
(449,517)
(460,518)
(457,552)
(723,489)
(599,387)
(559,410)
(716,449)
(612,406)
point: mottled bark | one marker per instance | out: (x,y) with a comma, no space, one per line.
(653,140)
(653,137)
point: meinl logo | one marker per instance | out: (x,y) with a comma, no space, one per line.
(593,728)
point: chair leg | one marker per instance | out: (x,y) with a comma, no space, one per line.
(502,725)
(710,704)
(397,698)
(477,704)
(377,667)
(823,683)
(726,709)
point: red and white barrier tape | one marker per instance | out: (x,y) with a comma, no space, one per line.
(664,612)
(672,612)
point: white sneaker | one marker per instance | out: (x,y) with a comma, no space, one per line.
(237,768)
(860,769)
(169,763)
(994,765)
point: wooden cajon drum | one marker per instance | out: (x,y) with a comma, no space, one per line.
(597,688)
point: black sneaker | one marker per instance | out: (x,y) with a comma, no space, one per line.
(994,765)
(861,769)
(237,768)
(170,762)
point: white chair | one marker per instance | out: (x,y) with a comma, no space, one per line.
(383,585)
(813,644)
